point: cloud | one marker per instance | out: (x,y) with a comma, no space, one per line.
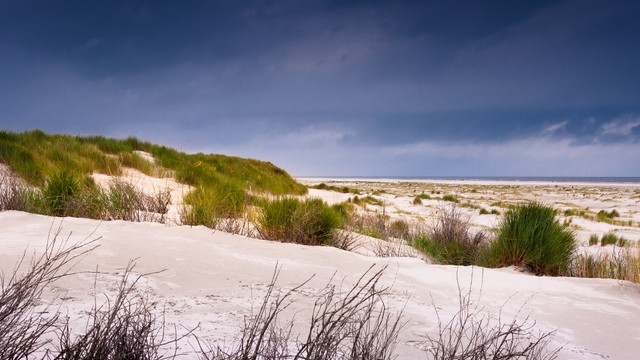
(622,126)
(554,128)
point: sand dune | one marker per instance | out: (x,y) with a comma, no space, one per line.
(213,279)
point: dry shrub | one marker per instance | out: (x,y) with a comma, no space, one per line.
(125,202)
(378,225)
(370,224)
(472,334)
(450,240)
(355,325)
(122,328)
(11,190)
(621,263)
(24,328)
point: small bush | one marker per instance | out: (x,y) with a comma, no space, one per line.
(367,200)
(495,212)
(593,239)
(417,201)
(484,211)
(530,236)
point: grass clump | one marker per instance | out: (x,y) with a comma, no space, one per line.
(341,189)
(531,236)
(621,264)
(308,222)
(484,211)
(612,239)
(363,201)
(209,205)
(450,198)
(451,241)
(604,215)
(593,239)
(58,191)
(417,200)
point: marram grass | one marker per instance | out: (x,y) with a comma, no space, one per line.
(531,236)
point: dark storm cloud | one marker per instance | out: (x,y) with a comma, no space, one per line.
(266,78)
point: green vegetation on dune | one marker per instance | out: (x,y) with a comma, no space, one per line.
(59,167)
(36,156)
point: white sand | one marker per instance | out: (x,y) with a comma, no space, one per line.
(213,278)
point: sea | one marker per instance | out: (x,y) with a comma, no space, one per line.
(558,179)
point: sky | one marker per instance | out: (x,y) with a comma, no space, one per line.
(338,88)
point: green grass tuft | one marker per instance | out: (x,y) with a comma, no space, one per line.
(530,236)
(308,222)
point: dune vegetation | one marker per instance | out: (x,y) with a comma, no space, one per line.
(36,156)
(57,170)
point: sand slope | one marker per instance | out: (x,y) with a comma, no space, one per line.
(213,278)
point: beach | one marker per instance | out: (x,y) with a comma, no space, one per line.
(209,282)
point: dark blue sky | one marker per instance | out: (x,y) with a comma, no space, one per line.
(411,88)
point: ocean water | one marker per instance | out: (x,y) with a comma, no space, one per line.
(560,179)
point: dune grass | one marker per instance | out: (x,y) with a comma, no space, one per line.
(531,236)
(66,195)
(58,168)
(611,238)
(451,240)
(341,189)
(622,263)
(35,156)
(308,222)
